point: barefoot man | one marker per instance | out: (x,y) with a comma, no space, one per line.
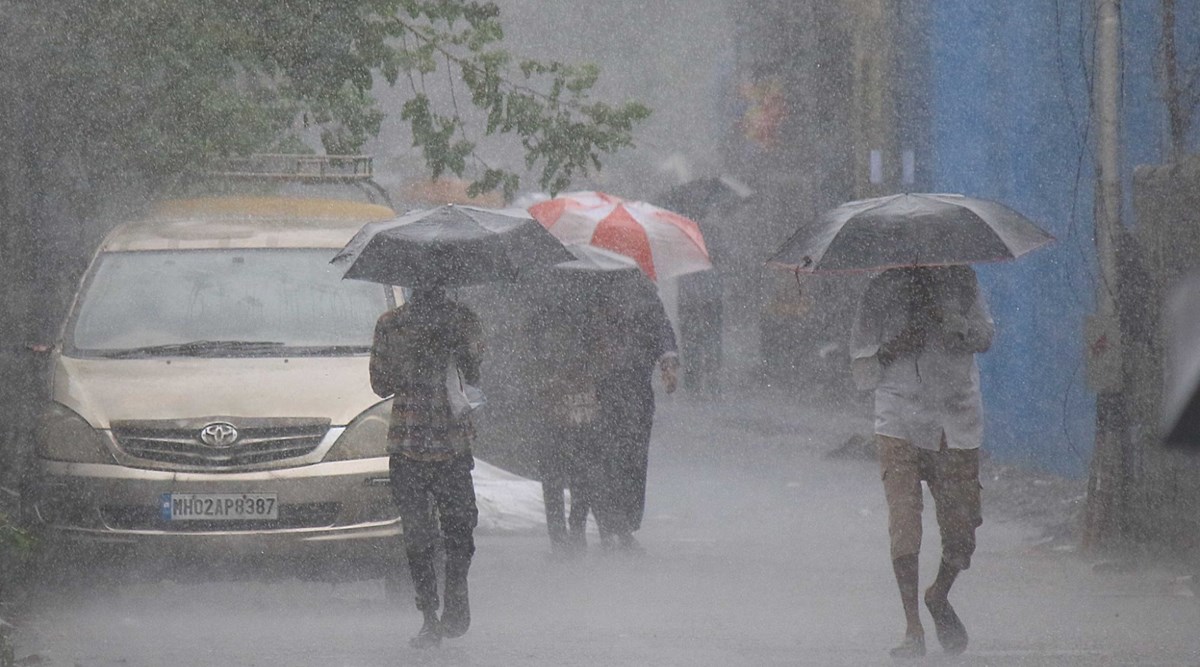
(914,342)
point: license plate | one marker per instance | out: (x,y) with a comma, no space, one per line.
(219,506)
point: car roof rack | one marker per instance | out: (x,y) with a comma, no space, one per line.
(356,170)
(297,167)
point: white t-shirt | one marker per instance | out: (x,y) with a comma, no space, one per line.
(923,395)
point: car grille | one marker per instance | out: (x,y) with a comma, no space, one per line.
(293,516)
(179,444)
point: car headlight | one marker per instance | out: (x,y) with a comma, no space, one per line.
(63,435)
(366,436)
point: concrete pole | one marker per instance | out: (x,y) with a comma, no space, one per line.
(1107,480)
(1177,112)
(1107,104)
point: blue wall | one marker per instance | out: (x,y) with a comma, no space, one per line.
(1009,113)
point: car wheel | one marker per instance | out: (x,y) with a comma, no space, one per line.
(397,587)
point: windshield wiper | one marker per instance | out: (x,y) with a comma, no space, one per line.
(320,350)
(196,348)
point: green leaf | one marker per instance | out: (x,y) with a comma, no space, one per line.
(155,87)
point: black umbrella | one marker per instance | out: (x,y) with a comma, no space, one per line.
(592,272)
(1181,402)
(696,199)
(450,246)
(576,287)
(910,230)
(590,259)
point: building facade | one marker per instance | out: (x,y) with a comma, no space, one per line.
(984,99)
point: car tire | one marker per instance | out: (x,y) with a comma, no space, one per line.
(397,587)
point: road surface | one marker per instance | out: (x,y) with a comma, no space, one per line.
(759,551)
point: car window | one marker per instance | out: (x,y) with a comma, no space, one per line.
(286,298)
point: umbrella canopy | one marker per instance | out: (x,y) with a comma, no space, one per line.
(596,260)
(575,288)
(577,282)
(910,230)
(1181,403)
(664,244)
(696,199)
(450,246)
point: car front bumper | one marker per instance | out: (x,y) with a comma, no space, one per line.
(341,505)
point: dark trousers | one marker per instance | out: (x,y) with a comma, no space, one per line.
(700,331)
(430,493)
(628,417)
(568,459)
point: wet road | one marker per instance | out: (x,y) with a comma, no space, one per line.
(758,552)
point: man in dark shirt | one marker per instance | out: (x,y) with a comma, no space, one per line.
(637,338)
(417,348)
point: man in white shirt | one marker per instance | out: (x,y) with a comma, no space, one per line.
(914,342)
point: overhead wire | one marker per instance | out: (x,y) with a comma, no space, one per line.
(1082,130)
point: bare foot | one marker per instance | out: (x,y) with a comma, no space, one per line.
(629,544)
(951,632)
(911,648)
(430,634)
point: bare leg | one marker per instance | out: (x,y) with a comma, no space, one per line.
(951,632)
(955,489)
(902,487)
(945,579)
(907,574)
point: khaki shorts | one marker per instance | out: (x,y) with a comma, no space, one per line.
(953,479)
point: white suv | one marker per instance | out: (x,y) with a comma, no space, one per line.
(210,387)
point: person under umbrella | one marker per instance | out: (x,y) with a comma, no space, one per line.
(423,353)
(664,245)
(636,339)
(600,329)
(919,325)
(430,447)
(920,329)
(708,201)
(568,437)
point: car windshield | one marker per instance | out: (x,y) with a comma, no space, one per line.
(223,303)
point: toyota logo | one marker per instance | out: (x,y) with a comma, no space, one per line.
(220,434)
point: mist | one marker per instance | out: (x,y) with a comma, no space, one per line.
(765,538)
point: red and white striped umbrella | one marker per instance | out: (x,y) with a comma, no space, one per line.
(664,244)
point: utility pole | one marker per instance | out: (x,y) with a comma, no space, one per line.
(1173,92)
(1106,484)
